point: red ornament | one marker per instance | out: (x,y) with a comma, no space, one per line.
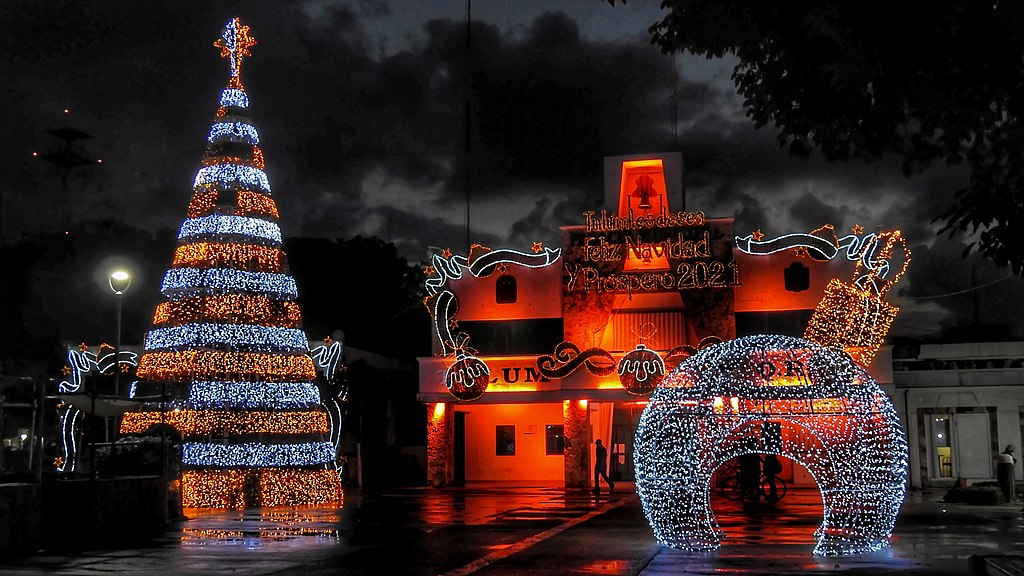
(467,378)
(641,371)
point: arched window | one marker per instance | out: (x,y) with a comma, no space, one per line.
(797,277)
(505,290)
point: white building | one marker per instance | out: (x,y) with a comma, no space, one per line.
(963,404)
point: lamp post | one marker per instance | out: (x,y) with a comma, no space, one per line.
(119,281)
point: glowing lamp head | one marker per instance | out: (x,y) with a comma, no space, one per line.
(119,281)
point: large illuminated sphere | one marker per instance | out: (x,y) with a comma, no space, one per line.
(772,395)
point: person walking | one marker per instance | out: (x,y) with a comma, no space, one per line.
(600,467)
(1005,471)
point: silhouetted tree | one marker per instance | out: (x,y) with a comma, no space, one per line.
(364,288)
(924,79)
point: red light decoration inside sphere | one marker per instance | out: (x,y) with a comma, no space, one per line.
(641,370)
(467,378)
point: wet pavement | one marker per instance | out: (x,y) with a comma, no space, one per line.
(539,531)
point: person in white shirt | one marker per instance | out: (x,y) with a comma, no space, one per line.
(1006,470)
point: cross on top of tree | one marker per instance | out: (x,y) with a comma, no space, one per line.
(234,45)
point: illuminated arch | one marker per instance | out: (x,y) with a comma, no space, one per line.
(772,395)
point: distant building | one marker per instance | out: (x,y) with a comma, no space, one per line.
(964,403)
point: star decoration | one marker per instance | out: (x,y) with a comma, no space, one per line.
(446,253)
(538,247)
(758,235)
(801,252)
(66,371)
(429,270)
(328,340)
(502,268)
(83,347)
(857,229)
(234,44)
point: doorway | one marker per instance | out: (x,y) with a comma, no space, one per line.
(959,442)
(459,442)
(625,420)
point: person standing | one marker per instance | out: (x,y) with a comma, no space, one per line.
(1005,471)
(600,466)
(750,477)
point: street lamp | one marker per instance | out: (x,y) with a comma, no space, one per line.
(119,281)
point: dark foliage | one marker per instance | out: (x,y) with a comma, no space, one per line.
(56,292)
(929,81)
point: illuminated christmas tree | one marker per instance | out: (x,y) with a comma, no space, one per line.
(253,427)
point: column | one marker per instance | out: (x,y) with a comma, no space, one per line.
(577,444)
(440,444)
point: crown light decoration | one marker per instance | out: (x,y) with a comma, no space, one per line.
(254,430)
(777,395)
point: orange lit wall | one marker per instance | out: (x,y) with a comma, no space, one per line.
(508,374)
(530,462)
(539,295)
(763,283)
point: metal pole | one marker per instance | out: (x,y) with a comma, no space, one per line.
(163,442)
(41,428)
(117,349)
(92,434)
(33,430)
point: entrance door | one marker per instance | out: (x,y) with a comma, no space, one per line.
(460,449)
(624,422)
(973,445)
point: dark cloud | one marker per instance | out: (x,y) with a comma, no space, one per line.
(364,129)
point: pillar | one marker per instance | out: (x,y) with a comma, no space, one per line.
(577,443)
(440,444)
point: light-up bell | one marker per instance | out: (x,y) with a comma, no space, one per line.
(643,191)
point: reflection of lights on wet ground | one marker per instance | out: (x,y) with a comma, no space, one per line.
(260,528)
(792,521)
(604,567)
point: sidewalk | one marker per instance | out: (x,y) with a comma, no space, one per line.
(502,529)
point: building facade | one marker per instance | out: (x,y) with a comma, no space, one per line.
(964,402)
(541,352)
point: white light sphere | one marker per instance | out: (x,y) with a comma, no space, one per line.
(780,395)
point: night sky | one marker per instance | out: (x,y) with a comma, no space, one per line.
(361,112)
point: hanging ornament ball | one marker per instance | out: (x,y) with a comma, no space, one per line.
(467,378)
(641,370)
